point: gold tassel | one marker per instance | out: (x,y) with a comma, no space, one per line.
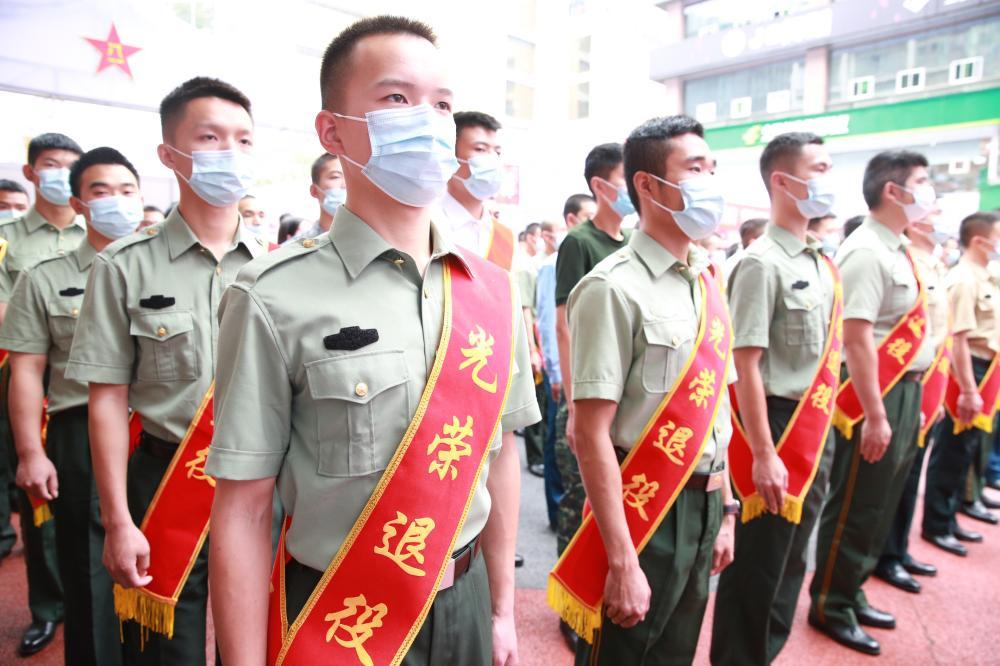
(152,614)
(41,514)
(922,440)
(754,507)
(792,510)
(842,423)
(581,619)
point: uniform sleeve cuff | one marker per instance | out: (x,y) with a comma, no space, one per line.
(596,391)
(863,315)
(755,339)
(521,417)
(243,465)
(98,374)
(24,346)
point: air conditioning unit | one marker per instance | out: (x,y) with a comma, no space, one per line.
(966,70)
(741,107)
(911,80)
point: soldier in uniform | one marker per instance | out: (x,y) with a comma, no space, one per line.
(14,200)
(329,189)
(49,228)
(43,312)
(146,340)
(882,294)
(781,295)
(335,343)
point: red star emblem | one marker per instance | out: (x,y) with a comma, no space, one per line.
(113,52)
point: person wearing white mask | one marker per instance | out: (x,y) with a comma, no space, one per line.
(464,210)
(147,339)
(636,322)
(44,311)
(329,189)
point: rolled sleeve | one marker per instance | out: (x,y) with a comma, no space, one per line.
(570,268)
(601,340)
(962,298)
(253,393)
(103,350)
(25,329)
(864,285)
(751,303)
(521,408)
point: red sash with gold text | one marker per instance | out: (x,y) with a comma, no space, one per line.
(801,445)
(934,385)
(655,470)
(989,390)
(376,592)
(500,249)
(175,524)
(895,354)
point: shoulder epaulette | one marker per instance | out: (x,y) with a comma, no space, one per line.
(141,236)
(252,271)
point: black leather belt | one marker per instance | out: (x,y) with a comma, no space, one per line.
(461,563)
(704,482)
(156,447)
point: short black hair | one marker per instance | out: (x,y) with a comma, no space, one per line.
(977,224)
(852,224)
(601,161)
(102,155)
(51,141)
(889,166)
(648,146)
(752,228)
(173,105)
(815,221)
(575,202)
(783,149)
(533,228)
(150,208)
(288,227)
(335,59)
(7,185)
(317,166)
(466,119)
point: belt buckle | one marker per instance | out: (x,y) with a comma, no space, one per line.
(714,482)
(448,579)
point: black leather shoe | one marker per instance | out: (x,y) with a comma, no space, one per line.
(919,568)
(538,469)
(897,576)
(977,511)
(967,535)
(518,560)
(873,617)
(36,637)
(852,637)
(989,502)
(569,636)
(947,543)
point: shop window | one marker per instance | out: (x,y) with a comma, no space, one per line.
(910,80)
(965,70)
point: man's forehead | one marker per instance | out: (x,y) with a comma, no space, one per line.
(398,57)
(107,174)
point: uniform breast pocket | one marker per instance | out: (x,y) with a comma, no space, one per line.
(805,318)
(167,350)
(362,401)
(62,323)
(668,344)
(904,288)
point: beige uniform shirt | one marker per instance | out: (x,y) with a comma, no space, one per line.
(975,305)
(879,283)
(327,422)
(932,273)
(149,320)
(30,239)
(42,316)
(781,300)
(633,323)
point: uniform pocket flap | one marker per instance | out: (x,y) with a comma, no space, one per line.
(799,300)
(667,332)
(65,307)
(356,378)
(161,325)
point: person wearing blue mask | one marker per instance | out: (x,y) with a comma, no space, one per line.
(50,228)
(824,228)
(146,340)
(43,314)
(253,215)
(14,201)
(329,188)
(333,355)
(464,209)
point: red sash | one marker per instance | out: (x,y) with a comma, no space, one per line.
(500,249)
(376,592)
(989,390)
(175,524)
(801,445)
(935,385)
(655,470)
(895,354)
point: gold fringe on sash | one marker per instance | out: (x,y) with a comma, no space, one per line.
(754,507)
(843,423)
(41,514)
(152,613)
(981,421)
(581,619)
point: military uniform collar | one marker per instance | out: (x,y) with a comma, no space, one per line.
(359,245)
(980,272)
(33,221)
(787,241)
(658,259)
(180,237)
(85,253)
(885,234)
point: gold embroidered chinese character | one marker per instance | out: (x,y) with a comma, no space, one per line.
(450,447)
(716,334)
(821,398)
(478,356)
(899,348)
(366,619)
(410,545)
(196,467)
(944,366)
(833,363)
(638,493)
(916,325)
(673,441)
(704,388)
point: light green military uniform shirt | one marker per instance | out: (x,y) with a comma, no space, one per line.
(975,304)
(30,239)
(327,422)
(42,316)
(932,274)
(879,283)
(633,323)
(781,300)
(149,320)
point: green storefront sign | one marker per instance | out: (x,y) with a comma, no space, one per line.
(981,107)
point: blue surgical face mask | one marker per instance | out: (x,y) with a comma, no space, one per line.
(486,175)
(8,214)
(333,199)
(115,216)
(820,198)
(939,237)
(220,177)
(703,206)
(413,153)
(830,246)
(53,185)
(622,203)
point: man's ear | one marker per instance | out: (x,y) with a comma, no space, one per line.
(328,131)
(29,174)
(78,206)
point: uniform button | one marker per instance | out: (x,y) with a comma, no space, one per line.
(218,270)
(427,294)
(61,252)
(308,243)
(162,332)
(361,390)
(152,231)
(75,312)
(675,340)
